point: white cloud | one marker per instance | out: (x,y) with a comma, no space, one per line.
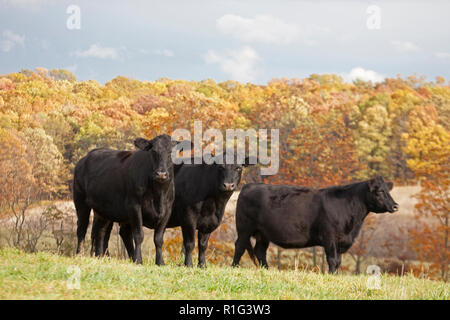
(261,28)
(239,64)
(10,40)
(97,51)
(164,52)
(359,73)
(442,55)
(405,46)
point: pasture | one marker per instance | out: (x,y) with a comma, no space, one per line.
(45,276)
(221,249)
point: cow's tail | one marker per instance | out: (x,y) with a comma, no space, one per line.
(251,252)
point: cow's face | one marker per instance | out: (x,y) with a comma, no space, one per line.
(160,149)
(380,199)
(229,175)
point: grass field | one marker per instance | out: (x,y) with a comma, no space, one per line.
(48,276)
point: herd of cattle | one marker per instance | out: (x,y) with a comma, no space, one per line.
(144,188)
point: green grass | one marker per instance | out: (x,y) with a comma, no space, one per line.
(44,276)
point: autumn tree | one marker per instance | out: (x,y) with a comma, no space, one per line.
(95,132)
(18,189)
(371,141)
(429,157)
(46,161)
(31,170)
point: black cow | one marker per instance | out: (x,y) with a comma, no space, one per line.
(133,188)
(201,194)
(299,217)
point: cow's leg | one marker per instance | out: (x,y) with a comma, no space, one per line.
(83,212)
(101,230)
(158,239)
(96,226)
(136,231)
(242,243)
(98,234)
(338,261)
(261,250)
(188,243)
(202,246)
(332,257)
(100,238)
(127,238)
(138,237)
(188,227)
(108,230)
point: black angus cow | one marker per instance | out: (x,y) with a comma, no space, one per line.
(201,194)
(134,188)
(299,217)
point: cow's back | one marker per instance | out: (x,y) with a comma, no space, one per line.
(283,214)
(100,178)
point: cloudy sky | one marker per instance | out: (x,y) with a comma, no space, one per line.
(249,40)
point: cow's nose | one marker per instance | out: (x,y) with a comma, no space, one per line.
(228,186)
(395,207)
(162,175)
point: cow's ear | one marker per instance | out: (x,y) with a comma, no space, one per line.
(373,185)
(142,144)
(390,185)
